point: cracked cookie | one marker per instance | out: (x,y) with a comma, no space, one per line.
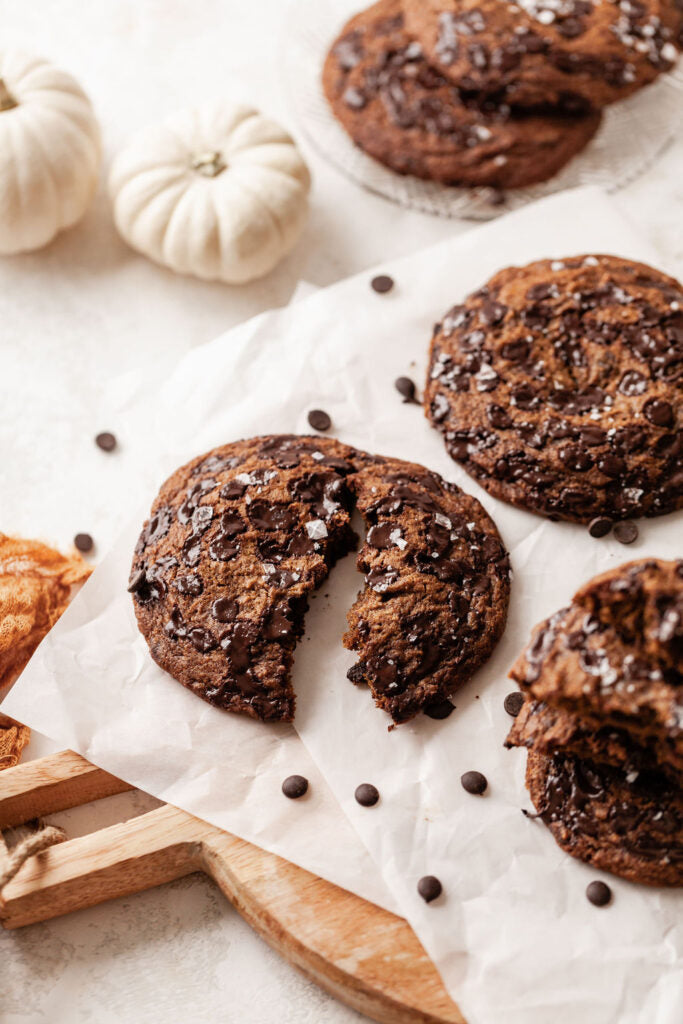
(238,539)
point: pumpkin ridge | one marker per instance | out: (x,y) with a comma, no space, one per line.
(56,197)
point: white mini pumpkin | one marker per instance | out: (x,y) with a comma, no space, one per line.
(49,152)
(221,193)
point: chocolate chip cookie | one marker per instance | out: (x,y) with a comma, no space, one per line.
(558,386)
(239,538)
(436,587)
(402,112)
(613,658)
(548,51)
(629,824)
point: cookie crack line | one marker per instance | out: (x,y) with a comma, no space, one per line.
(559,387)
(239,538)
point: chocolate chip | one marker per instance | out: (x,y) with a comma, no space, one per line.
(202,640)
(295,786)
(191,585)
(136,581)
(84,542)
(319,420)
(658,412)
(366,794)
(474,783)
(612,466)
(600,526)
(406,387)
(439,710)
(382,284)
(429,888)
(599,894)
(626,532)
(106,441)
(513,703)
(224,609)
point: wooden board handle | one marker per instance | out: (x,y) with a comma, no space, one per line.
(50,784)
(139,854)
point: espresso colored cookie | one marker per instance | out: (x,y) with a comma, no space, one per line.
(590,52)
(632,828)
(235,543)
(402,112)
(558,386)
(612,658)
(436,588)
(239,538)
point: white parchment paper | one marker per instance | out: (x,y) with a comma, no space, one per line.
(513,936)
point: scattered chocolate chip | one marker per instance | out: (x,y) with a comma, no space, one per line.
(513,703)
(382,284)
(106,441)
(406,387)
(474,783)
(599,894)
(626,532)
(439,710)
(600,526)
(429,888)
(319,420)
(84,542)
(295,786)
(366,794)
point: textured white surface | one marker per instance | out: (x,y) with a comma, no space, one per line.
(86,309)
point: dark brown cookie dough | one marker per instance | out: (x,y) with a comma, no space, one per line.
(601,660)
(632,828)
(406,115)
(541,51)
(437,587)
(559,387)
(238,539)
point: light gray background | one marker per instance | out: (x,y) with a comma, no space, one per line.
(87,309)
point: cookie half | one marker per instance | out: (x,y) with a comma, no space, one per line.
(238,539)
(437,587)
(552,730)
(559,387)
(542,51)
(235,543)
(406,115)
(631,828)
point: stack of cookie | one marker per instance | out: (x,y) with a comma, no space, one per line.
(490,92)
(603,722)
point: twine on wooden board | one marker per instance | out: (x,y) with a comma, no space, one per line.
(46,837)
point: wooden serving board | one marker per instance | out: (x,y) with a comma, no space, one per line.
(365,956)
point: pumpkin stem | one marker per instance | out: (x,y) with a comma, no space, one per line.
(7,100)
(209,164)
